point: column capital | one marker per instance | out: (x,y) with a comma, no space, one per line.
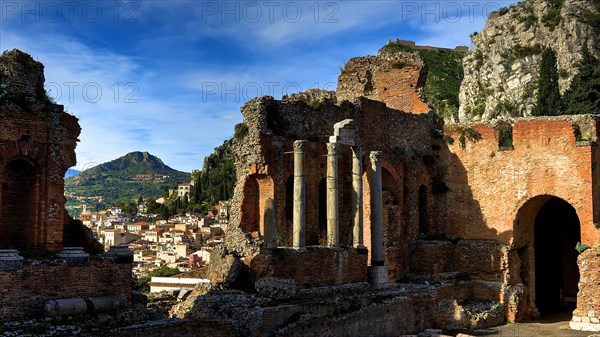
(300,144)
(332,148)
(375,157)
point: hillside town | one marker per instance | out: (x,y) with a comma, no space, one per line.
(183,242)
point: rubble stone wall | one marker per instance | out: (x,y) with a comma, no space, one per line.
(587,315)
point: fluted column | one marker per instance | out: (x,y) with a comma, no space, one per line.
(332,195)
(299,219)
(357,198)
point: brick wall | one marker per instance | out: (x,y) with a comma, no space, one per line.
(496,194)
(24,292)
(37,146)
(315,267)
(488,186)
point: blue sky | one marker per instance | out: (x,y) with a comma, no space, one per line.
(169,77)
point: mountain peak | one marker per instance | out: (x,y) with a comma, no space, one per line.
(129,176)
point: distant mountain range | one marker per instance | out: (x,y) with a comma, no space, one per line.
(122,179)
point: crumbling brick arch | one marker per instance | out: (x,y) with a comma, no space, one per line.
(257,189)
(542,256)
(20,223)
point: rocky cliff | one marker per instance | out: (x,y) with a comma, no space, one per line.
(501,72)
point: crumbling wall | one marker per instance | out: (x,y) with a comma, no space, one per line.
(23,292)
(587,315)
(395,78)
(495,192)
(488,184)
(37,143)
(263,153)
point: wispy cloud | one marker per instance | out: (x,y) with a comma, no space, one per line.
(169,77)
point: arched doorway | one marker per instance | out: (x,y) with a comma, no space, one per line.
(546,231)
(556,232)
(257,189)
(18,216)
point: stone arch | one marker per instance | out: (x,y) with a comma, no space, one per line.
(257,189)
(20,226)
(543,254)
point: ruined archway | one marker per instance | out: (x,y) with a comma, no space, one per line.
(257,189)
(546,231)
(19,223)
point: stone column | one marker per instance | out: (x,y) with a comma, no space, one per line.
(299,219)
(332,195)
(270,224)
(378,272)
(357,198)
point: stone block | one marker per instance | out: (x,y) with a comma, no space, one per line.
(119,254)
(10,260)
(584,326)
(74,256)
(378,275)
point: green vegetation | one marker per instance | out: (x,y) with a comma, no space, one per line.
(141,284)
(506,108)
(469,134)
(395,47)
(583,97)
(240,131)
(581,247)
(140,176)
(505,140)
(552,18)
(117,181)
(502,11)
(592,18)
(444,76)
(549,102)
(518,52)
(216,180)
(443,80)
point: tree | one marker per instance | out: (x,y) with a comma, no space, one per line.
(583,97)
(140,200)
(548,100)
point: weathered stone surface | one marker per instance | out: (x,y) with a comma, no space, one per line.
(317,266)
(587,315)
(505,66)
(37,143)
(397,79)
(43,280)
(276,287)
